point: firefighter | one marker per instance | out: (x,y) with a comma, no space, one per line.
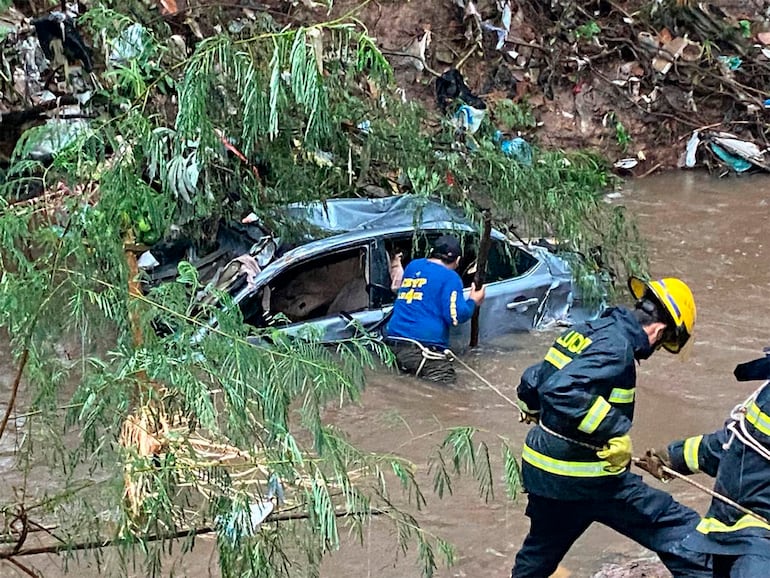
(738,456)
(575,460)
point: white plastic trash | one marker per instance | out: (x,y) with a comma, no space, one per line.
(469,118)
(246,523)
(692,148)
(627,163)
(147,261)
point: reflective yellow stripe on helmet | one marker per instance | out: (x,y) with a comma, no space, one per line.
(758,418)
(691,446)
(557,358)
(595,415)
(709,525)
(565,468)
(618,395)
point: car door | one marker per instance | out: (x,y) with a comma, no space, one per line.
(517,285)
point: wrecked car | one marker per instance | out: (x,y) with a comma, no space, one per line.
(337,282)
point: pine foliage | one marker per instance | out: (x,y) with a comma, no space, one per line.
(293,101)
(187,397)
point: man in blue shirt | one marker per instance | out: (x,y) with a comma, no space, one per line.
(429,302)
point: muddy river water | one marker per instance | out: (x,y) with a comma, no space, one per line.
(707,231)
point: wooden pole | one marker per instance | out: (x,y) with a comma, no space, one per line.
(481,273)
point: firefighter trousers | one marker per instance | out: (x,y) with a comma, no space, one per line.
(745,566)
(648,516)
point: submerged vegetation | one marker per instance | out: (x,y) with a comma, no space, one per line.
(189,430)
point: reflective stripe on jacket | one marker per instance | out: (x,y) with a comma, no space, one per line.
(585,390)
(742,475)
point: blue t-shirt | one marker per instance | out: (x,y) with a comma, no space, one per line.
(429,302)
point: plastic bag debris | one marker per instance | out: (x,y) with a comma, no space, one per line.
(451,86)
(743,148)
(504,28)
(55,135)
(416,50)
(131,43)
(245,523)
(468,118)
(730,62)
(692,148)
(60,26)
(502,33)
(738,154)
(518,149)
(147,261)
(738,164)
(626,164)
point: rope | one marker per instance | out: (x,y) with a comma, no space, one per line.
(426,353)
(567,439)
(635,461)
(449,353)
(738,426)
(674,474)
(513,403)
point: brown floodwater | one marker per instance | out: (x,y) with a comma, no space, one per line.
(707,231)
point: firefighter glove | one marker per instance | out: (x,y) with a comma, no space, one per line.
(617,452)
(653,462)
(527,415)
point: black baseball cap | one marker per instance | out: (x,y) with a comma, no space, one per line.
(446,246)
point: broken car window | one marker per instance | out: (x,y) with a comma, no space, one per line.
(326,285)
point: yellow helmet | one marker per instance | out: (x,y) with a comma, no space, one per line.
(677,300)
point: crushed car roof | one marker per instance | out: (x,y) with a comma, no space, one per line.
(344,215)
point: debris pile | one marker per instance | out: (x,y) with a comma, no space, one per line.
(632,79)
(45,79)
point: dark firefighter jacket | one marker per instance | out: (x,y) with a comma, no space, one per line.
(584,389)
(742,475)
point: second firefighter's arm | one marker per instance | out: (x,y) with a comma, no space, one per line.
(700,453)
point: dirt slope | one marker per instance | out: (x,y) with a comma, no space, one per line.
(587,69)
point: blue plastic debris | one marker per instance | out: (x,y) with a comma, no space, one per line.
(365,126)
(243,523)
(731,62)
(245,519)
(738,164)
(518,149)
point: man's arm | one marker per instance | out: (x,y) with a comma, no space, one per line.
(567,399)
(699,453)
(527,388)
(456,308)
